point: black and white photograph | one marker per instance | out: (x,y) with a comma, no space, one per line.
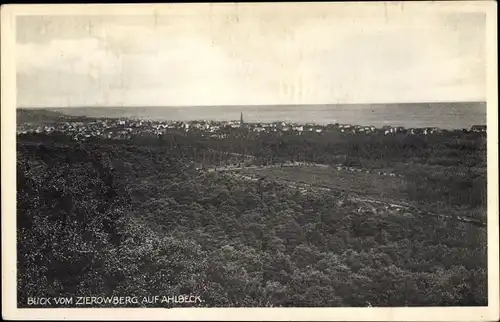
(277,156)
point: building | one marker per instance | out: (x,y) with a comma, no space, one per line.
(478,128)
(242,123)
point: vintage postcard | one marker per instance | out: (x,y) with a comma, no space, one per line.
(250,161)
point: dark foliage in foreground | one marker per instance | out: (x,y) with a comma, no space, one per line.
(137,219)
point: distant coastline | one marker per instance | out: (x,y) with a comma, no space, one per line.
(452,115)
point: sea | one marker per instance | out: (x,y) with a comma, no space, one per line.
(453,115)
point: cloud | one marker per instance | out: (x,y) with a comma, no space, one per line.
(210,60)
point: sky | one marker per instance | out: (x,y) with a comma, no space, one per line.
(237,55)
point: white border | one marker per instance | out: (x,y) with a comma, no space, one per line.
(8,137)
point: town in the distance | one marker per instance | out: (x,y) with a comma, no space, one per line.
(83,128)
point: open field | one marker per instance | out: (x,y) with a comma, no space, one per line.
(387,188)
(369,183)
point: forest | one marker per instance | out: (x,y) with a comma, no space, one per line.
(134,217)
